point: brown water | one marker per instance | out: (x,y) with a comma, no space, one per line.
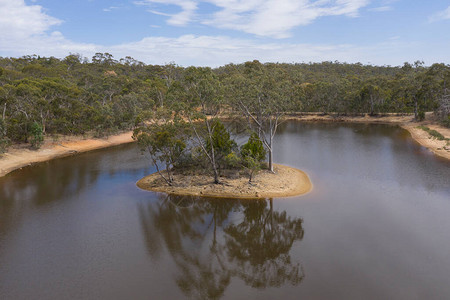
(376,226)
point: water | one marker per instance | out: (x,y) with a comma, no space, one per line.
(375,226)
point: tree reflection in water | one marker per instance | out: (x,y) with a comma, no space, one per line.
(213,240)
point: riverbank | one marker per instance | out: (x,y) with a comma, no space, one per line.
(20,156)
(440,148)
(284,182)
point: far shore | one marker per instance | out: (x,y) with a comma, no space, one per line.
(20,156)
(439,148)
(284,182)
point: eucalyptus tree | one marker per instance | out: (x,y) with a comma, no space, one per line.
(263,94)
(4,141)
(164,140)
(253,153)
(201,107)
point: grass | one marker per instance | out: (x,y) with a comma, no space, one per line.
(433,133)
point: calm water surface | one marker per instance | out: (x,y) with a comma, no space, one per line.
(376,226)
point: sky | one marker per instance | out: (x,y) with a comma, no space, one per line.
(218,32)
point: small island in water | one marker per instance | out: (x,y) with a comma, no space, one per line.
(283,182)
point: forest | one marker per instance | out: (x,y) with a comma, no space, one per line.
(42,96)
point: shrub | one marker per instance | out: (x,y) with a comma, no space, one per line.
(421,116)
(37,135)
(433,133)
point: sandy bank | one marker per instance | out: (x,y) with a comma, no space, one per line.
(285,182)
(440,148)
(18,157)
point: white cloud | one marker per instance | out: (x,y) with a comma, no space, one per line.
(18,20)
(381,8)
(442,15)
(187,7)
(111,8)
(273,18)
(29,32)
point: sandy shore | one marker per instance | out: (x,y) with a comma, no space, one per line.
(18,157)
(440,148)
(285,182)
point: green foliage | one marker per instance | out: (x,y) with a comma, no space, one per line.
(446,122)
(221,140)
(421,116)
(433,133)
(254,148)
(37,136)
(165,143)
(75,96)
(4,141)
(253,153)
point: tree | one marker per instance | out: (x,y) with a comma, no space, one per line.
(263,94)
(202,106)
(37,136)
(220,143)
(253,154)
(165,143)
(4,141)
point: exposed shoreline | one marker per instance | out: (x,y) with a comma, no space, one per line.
(18,156)
(284,182)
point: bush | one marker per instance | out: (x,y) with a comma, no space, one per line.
(4,141)
(37,135)
(433,133)
(421,116)
(253,153)
(446,122)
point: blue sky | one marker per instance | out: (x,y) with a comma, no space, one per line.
(217,32)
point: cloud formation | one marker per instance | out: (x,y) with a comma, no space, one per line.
(442,15)
(20,21)
(272,18)
(31,31)
(182,18)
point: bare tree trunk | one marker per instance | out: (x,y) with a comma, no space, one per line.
(416,113)
(213,157)
(160,173)
(270,149)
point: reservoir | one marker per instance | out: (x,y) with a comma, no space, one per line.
(375,226)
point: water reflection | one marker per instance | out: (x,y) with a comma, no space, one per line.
(212,241)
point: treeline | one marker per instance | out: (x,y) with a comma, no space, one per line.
(46,95)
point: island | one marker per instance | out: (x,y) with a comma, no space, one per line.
(283,182)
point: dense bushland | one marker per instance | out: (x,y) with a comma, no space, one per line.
(104,95)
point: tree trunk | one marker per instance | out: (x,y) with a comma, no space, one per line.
(416,113)
(270,151)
